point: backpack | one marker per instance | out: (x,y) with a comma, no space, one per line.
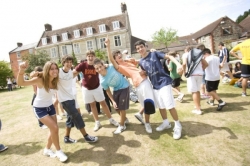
(193,59)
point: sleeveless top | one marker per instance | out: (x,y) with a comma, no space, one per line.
(43,98)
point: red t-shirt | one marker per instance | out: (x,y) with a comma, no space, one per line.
(91,77)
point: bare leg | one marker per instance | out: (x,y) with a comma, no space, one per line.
(163,113)
(123,117)
(196,98)
(147,116)
(94,110)
(244,85)
(174,114)
(105,108)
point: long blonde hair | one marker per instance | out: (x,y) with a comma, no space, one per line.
(46,76)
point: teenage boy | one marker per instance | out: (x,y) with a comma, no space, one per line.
(161,81)
(213,78)
(92,89)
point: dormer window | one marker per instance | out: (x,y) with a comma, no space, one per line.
(77,33)
(226,30)
(116,25)
(44,41)
(65,36)
(89,31)
(102,28)
(54,39)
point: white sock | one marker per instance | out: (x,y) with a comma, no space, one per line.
(177,123)
(165,121)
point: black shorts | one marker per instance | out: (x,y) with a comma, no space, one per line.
(212,85)
(121,98)
(176,82)
(245,71)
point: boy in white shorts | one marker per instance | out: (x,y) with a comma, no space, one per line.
(161,81)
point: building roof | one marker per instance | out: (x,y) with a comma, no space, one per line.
(82,27)
(24,47)
(133,41)
(246,24)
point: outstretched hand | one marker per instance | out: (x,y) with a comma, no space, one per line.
(107,41)
(24,65)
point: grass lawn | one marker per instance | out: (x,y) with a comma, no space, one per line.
(214,138)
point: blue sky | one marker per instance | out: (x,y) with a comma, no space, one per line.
(23,20)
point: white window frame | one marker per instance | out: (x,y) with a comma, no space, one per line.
(44,41)
(53,53)
(117,41)
(102,42)
(64,50)
(89,31)
(88,45)
(102,28)
(77,33)
(116,25)
(65,36)
(54,39)
(18,54)
(76,47)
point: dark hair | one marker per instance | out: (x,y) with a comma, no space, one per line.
(139,43)
(188,48)
(115,53)
(221,44)
(206,51)
(66,58)
(172,53)
(201,47)
(98,61)
(236,65)
(38,68)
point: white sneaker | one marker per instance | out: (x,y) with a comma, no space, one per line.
(97,126)
(180,97)
(59,117)
(126,121)
(148,128)
(49,153)
(139,117)
(163,127)
(113,122)
(198,112)
(177,132)
(120,129)
(44,127)
(62,157)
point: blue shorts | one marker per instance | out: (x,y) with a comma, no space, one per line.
(41,112)
(74,117)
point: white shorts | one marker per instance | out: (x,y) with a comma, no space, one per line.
(90,96)
(194,83)
(225,68)
(164,97)
(77,105)
(145,91)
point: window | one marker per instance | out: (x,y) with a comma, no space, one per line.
(76,48)
(77,33)
(31,51)
(44,41)
(117,41)
(102,43)
(116,25)
(64,50)
(102,28)
(89,31)
(65,36)
(53,52)
(226,30)
(90,45)
(54,39)
(18,54)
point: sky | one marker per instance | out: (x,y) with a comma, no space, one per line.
(23,20)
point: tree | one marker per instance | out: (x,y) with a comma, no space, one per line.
(242,17)
(101,54)
(74,59)
(38,59)
(5,72)
(165,36)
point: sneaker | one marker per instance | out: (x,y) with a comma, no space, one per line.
(64,114)
(139,117)
(69,140)
(163,126)
(126,121)
(59,117)
(120,129)
(220,106)
(97,126)
(148,128)
(205,96)
(90,113)
(3,148)
(181,96)
(44,127)
(112,121)
(49,153)
(177,99)
(62,157)
(89,138)
(198,112)
(244,94)
(210,103)
(177,133)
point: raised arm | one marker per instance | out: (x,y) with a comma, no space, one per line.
(179,66)
(111,58)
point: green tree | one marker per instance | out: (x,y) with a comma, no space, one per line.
(74,59)
(242,17)
(5,72)
(38,59)
(101,54)
(165,36)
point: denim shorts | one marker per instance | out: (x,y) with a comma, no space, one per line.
(41,112)
(74,117)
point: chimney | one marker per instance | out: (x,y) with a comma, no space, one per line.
(19,44)
(48,27)
(123,7)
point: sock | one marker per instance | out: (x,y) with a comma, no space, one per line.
(177,123)
(85,135)
(165,121)
(98,121)
(220,101)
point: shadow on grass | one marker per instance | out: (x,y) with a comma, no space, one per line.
(105,152)
(24,149)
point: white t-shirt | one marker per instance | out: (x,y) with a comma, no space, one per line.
(43,98)
(65,91)
(213,69)
(198,70)
(184,58)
